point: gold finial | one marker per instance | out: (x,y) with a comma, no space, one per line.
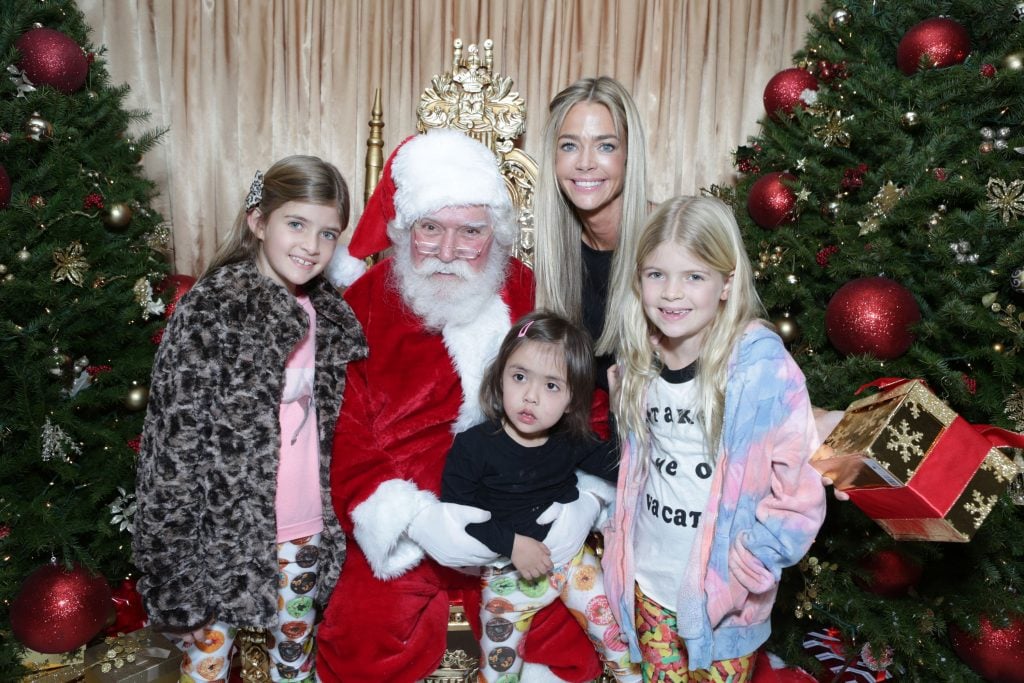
(374,147)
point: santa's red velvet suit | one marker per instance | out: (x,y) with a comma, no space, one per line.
(391,442)
(388,618)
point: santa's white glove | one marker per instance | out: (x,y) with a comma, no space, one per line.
(440,529)
(570,525)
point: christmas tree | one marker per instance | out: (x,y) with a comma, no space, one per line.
(81,254)
(882,205)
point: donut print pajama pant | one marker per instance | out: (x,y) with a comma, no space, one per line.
(665,655)
(510,602)
(289,644)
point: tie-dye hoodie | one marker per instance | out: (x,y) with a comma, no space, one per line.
(766,506)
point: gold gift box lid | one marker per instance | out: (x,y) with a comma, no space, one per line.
(909,417)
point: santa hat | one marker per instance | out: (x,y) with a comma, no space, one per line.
(428,172)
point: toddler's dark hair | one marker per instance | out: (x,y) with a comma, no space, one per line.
(575,343)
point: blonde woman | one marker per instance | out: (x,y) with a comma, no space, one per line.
(591,200)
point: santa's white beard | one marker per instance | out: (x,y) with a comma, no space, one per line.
(457,299)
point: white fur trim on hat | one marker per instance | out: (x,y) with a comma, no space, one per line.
(343,269)
(444,167)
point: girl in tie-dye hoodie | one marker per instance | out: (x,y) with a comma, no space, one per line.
(715,492)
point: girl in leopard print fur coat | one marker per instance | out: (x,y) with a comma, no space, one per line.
(234,526)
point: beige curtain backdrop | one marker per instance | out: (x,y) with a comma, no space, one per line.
(240,83)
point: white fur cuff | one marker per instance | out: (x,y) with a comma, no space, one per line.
(380,522)
(603,490)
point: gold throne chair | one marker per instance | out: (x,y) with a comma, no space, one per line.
(474,99)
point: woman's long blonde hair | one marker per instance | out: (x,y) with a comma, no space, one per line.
(297,178)
(558,260)
(707,228)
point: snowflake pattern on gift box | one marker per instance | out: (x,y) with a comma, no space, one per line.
(980,505)
(904,441)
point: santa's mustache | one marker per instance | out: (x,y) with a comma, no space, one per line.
(430,265)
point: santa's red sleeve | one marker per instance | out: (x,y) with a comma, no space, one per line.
(374,493)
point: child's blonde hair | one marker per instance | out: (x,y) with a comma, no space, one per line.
(297,178)
(707,228)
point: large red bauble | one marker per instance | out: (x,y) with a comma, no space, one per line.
(942,42)
(890,573)
(996,653)
(5,188)
(57,610)
(872,315)
(178,285)
(770,203)
(49,57)
(784,89)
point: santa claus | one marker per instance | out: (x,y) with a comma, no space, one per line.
(434,314)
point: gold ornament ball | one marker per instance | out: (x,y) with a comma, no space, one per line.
(37,128)
(137,398)
(3,269)
(24,255)
(985,147)
(787,328)
(1014,61)
(997,347)
(910,120)
(117,215)
(839,19)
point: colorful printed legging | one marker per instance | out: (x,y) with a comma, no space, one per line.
(665,655)
(289,645)
(510,602)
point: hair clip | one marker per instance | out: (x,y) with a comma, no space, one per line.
(523,329)
(255,196)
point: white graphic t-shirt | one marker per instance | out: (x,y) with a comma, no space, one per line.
(677,488)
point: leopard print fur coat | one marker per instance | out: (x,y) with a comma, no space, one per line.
(205,527)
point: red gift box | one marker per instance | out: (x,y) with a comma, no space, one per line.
(915,466)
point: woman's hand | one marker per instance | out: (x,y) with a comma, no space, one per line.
(613,386)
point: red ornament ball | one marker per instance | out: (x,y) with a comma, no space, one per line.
(57,610)
(177,285)
(941,41)
(49,57)
(996,652)
(5,188)
(770,202)
(785,88)
(890,573)
(872,315)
